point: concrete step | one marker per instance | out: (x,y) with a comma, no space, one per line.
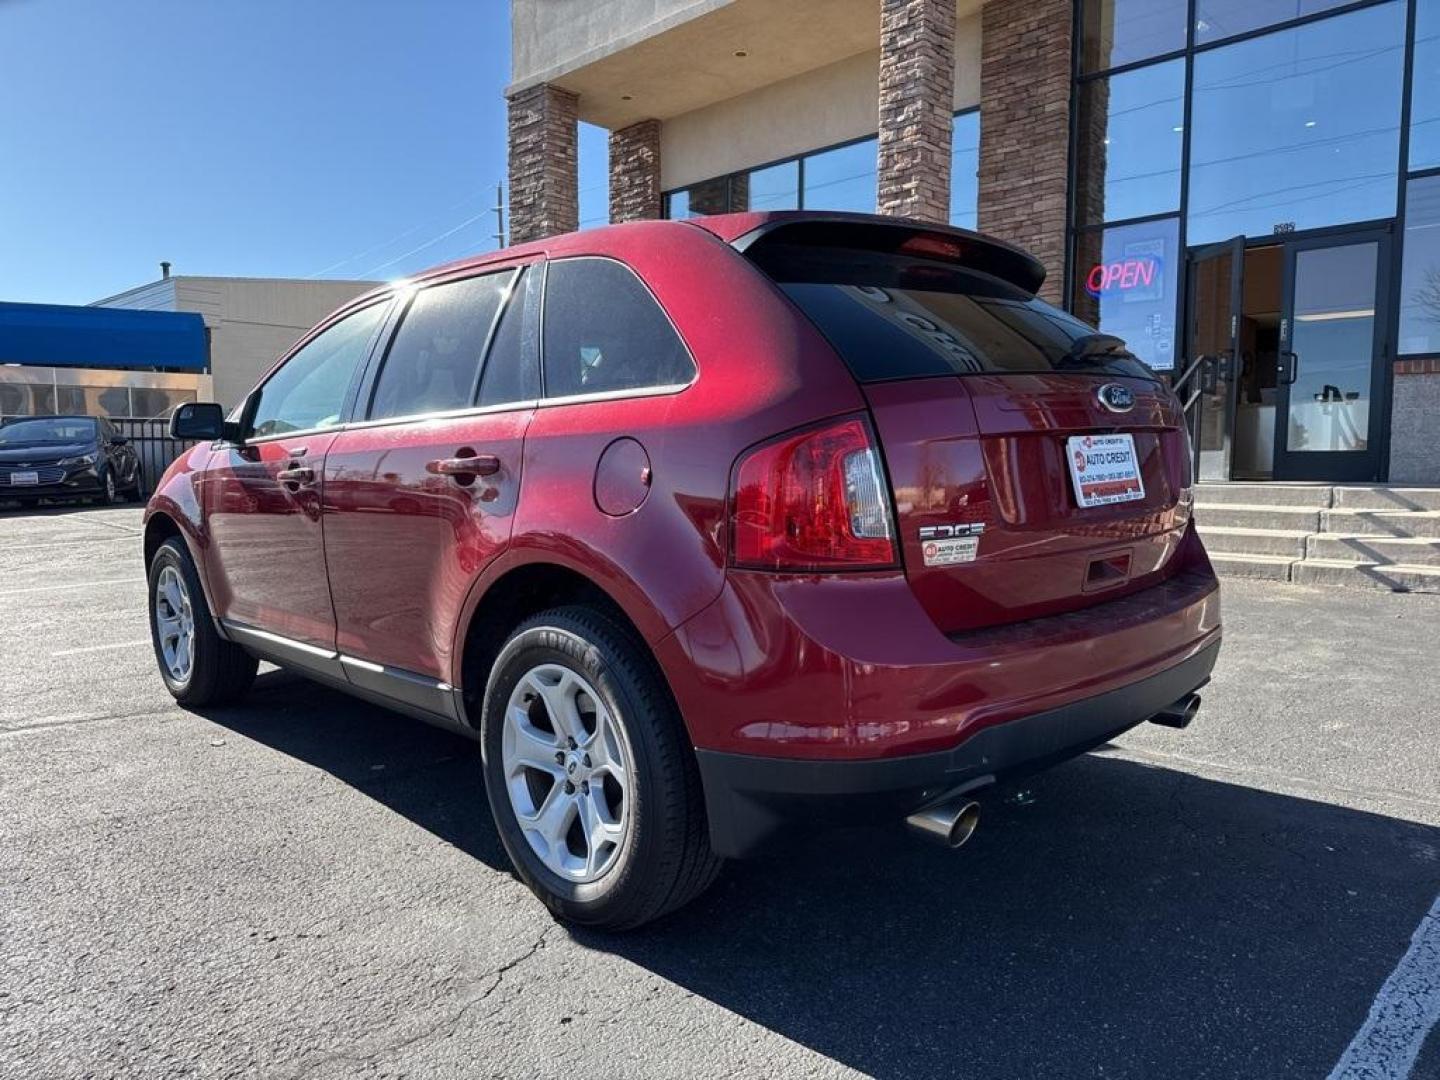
(1343,547)
(1264,567)
(1285,543)
(1396,523)
(1387,498)
(1316,496)
(1257,516)
(1391,577)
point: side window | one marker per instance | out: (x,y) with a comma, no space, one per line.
(510,373)
(309,389)
(604,331)
(434,358)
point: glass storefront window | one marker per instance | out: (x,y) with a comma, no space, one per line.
(1298,129)
(775,188)
(1420,274)
(842,179)
(965,171)
(1119,32)
(1127,284)
(1216,20)
(1424,101)
(1132,129)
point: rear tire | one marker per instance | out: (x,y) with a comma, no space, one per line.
(198,666)
(654,853)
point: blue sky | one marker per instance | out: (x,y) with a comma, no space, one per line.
(264,138)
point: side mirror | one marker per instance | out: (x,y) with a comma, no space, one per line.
(198,421)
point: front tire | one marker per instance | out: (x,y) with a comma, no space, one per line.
(198,666)
(589,773)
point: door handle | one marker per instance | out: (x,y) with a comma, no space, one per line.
(1289,368)
(297,476)
(471,465)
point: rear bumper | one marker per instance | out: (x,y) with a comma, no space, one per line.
(748,798)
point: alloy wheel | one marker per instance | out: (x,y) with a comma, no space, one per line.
(175,624)
(567,771)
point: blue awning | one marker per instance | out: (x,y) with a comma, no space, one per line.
(58,335)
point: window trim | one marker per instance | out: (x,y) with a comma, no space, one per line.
(402,311)
(608,395)
(352,388)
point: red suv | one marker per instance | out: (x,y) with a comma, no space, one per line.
(702,528)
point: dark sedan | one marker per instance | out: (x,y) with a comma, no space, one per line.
(66,457)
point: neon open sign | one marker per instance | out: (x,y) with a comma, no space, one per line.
(1123,275)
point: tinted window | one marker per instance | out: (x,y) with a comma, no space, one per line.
(1298,129)
(510,373)
(1122,31)
(434,359)
(1129,162)
(965,171)
(775,188)
(65,429)
(604,332)
(1424,101)
(1218,19)
(309,390)
(842,179)
(1127,282)
(1420,280)
(892,317)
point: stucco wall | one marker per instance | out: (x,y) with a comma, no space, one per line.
(829,105)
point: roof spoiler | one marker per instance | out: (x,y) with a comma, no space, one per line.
(899,236)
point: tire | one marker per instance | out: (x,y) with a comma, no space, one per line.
(218,670)
(109,494)
(662,859)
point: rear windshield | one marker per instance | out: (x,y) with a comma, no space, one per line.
(896,317)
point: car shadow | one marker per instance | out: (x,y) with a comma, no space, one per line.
(1108,919)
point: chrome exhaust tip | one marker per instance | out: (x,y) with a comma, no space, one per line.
(1179,714)
(950,823)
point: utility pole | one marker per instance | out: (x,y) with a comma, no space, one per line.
(499,232)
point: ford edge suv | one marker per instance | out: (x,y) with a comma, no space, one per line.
(703,530)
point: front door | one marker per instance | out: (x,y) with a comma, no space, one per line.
(1216,292)
(1330,370)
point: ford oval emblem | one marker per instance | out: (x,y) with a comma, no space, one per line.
(1115,397)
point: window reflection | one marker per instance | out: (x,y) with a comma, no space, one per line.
(1131,137)
(1420,278)
(1216,20)
(775,188)
(1424,100)
(1126,283)
(965,171)
(842,179)
(1299,128)
(1117,32)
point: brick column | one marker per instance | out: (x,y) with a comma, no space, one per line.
(544,168)
(917,95)
(1025,128)
(635,172)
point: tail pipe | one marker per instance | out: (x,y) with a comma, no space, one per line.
(1179,714)
(949,823)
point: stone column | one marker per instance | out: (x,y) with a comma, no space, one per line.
(917,102)
(544,167)
(1025,128)
(635,172)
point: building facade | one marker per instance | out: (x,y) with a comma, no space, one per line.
(1247,191)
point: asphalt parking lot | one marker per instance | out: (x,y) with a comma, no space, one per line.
(308,886)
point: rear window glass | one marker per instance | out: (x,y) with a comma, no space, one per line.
(896,317)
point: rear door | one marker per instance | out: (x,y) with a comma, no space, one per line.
(420,490)
(997,415)
(262,498)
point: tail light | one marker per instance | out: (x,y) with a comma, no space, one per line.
(813,501)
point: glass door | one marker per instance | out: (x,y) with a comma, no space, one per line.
(1215,293)
(1330,368)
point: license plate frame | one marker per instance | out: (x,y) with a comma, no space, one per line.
(30,478)
(1104,470)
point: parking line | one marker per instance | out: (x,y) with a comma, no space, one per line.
(101,648)
(73,585)
(1404,1012)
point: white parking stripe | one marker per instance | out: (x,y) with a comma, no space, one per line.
(1405,1010)
(74,585)
(102,648)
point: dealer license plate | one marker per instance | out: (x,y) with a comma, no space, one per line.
(18,478)
(1104,469)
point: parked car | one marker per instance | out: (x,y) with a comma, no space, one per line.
(66,457)
(703,529)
